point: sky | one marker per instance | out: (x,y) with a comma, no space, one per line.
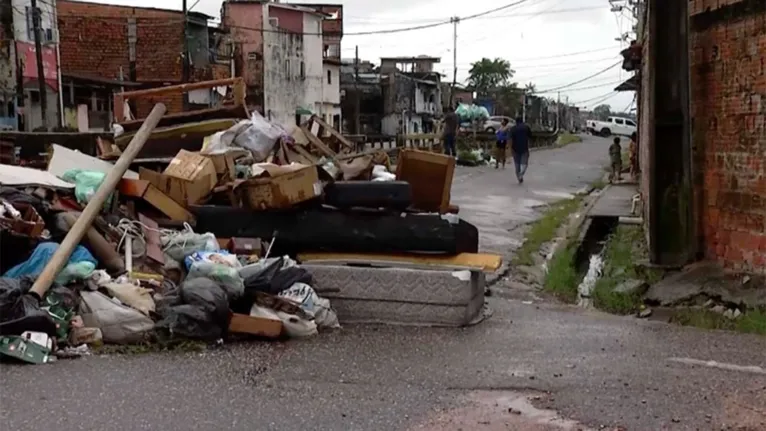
(552,43)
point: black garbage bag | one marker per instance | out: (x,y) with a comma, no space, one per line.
(273,279)
(189,321)
(20,312)
(201,312)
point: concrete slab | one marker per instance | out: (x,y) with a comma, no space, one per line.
(616,200)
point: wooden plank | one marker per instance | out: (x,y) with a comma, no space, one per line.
(316,142)
(342,139)
(244,324)
(304,153)
(152,235)
(168,206)
(475,261)
(181,88)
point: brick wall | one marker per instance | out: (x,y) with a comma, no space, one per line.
(728,42)
(94,41)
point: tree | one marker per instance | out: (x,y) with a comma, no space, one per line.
(508,99)
(602,112)
(487,75)
(530,88)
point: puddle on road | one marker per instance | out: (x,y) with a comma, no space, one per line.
(499,410)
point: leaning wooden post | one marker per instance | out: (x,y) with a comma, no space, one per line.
(83,223)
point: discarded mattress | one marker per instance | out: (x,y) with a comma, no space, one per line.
(349,231)
(420,297)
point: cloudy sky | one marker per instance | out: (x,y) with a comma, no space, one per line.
(552,43)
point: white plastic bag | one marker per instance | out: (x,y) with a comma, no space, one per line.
(258,135)
(183,244)
(137,297)
(380,173)
(305,296)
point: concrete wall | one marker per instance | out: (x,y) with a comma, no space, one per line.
(21,31)
(283,87)
(331,84)
(243,21)
(728,42)
(315,78)
(411,124)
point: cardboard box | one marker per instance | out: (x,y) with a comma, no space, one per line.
(188,179)
(244,324)
(142,189)
(281,187)
(430,177)
(225,165)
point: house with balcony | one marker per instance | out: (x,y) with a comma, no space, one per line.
(412,94)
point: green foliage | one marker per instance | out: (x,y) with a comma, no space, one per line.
(487,75)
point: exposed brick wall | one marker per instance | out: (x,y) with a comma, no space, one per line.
(728,42)
(94,41)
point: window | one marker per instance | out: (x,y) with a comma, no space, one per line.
(303,70)
(630,123)
(274,22)
(287,68)
(619,121)
(329,76)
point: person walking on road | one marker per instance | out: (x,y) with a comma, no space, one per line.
(520,134)
(449,135)
(502,143)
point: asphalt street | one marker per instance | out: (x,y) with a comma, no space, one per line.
(531,366)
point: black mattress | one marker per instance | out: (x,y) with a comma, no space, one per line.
(328,230)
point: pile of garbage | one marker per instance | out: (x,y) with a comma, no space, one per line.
(169,254)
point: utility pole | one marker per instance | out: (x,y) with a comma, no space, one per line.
(186,64)
(524,106)
(40,70)
(357,98)
(454,20)
(558,111)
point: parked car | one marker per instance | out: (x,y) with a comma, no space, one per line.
(619,126)
(494,123)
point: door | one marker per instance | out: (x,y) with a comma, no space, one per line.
(619,126)
(631,126)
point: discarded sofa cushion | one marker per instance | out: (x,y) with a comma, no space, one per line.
(347,231)
(369,194)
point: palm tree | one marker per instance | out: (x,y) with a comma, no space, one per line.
(530,88)
(487,75)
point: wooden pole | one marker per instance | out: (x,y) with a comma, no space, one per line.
(76,233)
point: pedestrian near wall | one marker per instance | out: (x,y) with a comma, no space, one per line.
(449,135)
(520,134)
(502,143)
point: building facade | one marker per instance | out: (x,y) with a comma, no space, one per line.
(411,94)
(279,53)
(108,47)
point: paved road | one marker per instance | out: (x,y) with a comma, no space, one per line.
(530,367)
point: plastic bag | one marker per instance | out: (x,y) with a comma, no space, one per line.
(136,297)
(119,324)
(258,135)
(305,296)
(203,312)
(75,272)
(179,246)
(380,173)
(20,312)
(226,277)
(42,255)
(221,257)
(295,327)
(86,183)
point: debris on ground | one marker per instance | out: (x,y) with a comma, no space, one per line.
(245,229)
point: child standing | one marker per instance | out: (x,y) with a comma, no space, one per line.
(615,156)
(502,143)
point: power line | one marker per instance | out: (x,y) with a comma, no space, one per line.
(582,80)
(373,20)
